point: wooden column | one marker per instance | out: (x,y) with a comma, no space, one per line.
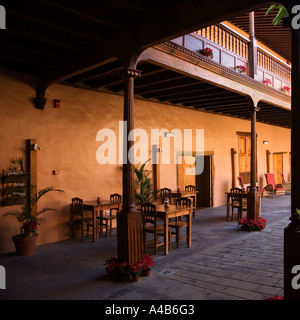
(253,207)
(31,170)
(233,163)
(291,232)
(129,220)
(268,155)
(252,47)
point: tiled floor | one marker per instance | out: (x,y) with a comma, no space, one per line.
(223,263)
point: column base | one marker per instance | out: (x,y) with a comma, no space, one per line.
(130,235)
(253,206)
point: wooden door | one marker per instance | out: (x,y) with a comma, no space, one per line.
(278,166)
(204,184)
(244,151)
(186,172)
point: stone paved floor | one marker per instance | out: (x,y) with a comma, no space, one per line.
(223,263)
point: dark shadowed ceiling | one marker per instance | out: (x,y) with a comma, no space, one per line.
(85,44)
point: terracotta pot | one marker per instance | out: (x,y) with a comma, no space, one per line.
(146,272)
(135,278)
(24,245)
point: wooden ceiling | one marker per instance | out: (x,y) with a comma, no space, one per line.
(82,43)
(278,38)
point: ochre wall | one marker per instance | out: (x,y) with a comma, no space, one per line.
(68,140)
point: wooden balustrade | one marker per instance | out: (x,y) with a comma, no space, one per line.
(231,49)
(226,38)
(269,63)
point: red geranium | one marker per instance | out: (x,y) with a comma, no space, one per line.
(207,52)
(251,225)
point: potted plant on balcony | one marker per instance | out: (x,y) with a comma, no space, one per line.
(241,69)
(267,81)
(286,89)
(207,52)
(29,220)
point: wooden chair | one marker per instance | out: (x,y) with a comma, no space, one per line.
(286,185)
(165,193)
(151,226)
(106,221)
(190,188)
(272,188)
(177,225)
(79,221)
(237,202)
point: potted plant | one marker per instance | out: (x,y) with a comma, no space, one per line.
(146,263)
(145,191)
(29,217)
(207,52)
(286,89)
(267,81)
(122,271)
(241,69)
(251,225)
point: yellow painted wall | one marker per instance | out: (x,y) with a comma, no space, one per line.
(68,139)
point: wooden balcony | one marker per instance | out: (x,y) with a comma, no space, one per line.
(232,49)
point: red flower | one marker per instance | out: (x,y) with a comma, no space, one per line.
(252,225)
(207,52)
(267,81)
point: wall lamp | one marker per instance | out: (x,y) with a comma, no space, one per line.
(35,147)
(265,142)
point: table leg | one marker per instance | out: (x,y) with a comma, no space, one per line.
(94,225)
(166,235)
(190,229)
(228,206)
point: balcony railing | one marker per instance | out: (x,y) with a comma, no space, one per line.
(232,49)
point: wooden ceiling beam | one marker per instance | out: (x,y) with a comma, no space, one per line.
(84,11)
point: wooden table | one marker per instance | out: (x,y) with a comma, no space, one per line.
(189,194)
(172,212)
(94,206)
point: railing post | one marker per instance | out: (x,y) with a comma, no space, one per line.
(252,47)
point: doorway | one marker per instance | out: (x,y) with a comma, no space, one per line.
(204,184)
(278,166)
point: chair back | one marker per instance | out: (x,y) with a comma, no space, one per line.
(241,182)
(270,178)
(183,202)
(77,208)
(190,188)
(115,198)
(165,193)
(149,213)
(236,194)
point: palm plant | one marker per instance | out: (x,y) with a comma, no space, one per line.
(281,14)
(29,218)
(144,185)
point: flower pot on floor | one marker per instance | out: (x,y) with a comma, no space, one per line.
(146,272)
(25,245)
